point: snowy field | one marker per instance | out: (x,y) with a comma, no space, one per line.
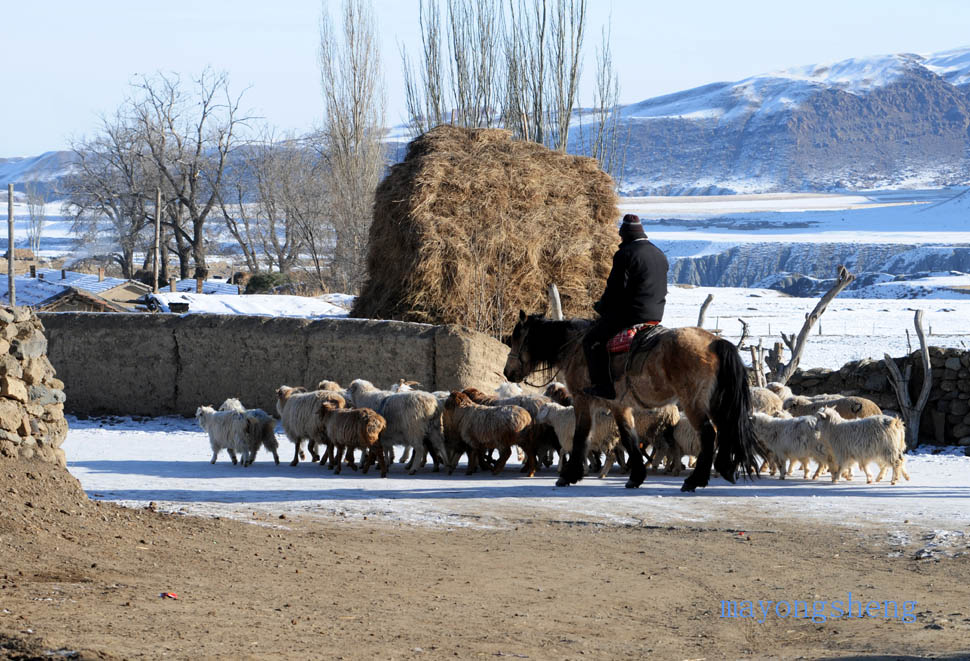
(166,461)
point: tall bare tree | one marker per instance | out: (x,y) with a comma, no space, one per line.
(189,136)
(36,215)
(353,94)
(108,194)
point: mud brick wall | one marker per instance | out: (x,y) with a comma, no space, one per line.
(142,364)
(32,421)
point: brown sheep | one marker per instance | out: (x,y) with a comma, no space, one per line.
(471,427)
(355,428)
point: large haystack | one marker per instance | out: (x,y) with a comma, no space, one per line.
(473,225)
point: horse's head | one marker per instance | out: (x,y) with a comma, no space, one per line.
(520,362)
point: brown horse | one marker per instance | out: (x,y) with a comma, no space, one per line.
(689,366)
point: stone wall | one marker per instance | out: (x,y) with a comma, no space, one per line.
(138,364)
(946,417)
(31,398)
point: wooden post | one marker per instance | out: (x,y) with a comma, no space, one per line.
(158,231)
(198,284)
(703,313)
(171,284)
(900,383)
(11,284)
(555,305)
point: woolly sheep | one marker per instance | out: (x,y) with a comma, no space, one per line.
(848,407)
(260,429)
(780,389)
(788,440)
(223,428)
(603,435)
(559,393)
(411,418)
(355,428)
(300,414)
(878,438)
(764,400)
(472,427)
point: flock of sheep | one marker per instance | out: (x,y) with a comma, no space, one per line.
(833,431)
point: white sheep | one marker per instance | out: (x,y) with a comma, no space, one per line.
(878,438)
(848,407)
(603,434)
(780,389)
(260,429)
(300,414)
(766,401)
(788,440)
(412,418)
(224,429)
(681,441)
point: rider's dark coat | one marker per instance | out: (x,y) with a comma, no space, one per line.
(636,290)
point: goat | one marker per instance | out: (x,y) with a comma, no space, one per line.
(260,429)
(223,428)
(300,414)
(471,427)
(878,438)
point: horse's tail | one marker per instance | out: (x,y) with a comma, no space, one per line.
(731,411)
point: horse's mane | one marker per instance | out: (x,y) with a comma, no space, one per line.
(552,342)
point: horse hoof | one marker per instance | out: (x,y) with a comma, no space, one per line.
(630,484)
(563,482)
(688,487)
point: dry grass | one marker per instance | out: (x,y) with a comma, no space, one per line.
(472,226)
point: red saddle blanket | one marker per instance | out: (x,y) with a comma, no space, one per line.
(622,341)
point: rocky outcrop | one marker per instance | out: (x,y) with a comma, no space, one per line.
(32,423)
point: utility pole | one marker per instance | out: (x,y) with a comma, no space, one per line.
(158,231)
(12,289)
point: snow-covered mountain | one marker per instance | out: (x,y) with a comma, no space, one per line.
(876,122)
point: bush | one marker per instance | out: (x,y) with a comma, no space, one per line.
(261,283)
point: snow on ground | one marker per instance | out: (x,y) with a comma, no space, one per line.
(166,461)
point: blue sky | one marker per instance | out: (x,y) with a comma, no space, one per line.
(67,62)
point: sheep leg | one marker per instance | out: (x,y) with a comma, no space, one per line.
(608,463)
(503,456)
(406,456)
(297,451)
(312,447)
(368,457)
(472,460)
(882,473)
(337,463)
(215,453)
(414,462)
(349,459)
(380,461)
(232,455)
(864,465)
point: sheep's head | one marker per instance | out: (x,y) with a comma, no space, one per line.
(457,400)
(475,394)
(328,385)
(202,413)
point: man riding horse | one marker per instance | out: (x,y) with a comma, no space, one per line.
(636,292)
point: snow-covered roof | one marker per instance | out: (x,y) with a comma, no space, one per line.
(267,305)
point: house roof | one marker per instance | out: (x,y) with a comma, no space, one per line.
(80,294)
(49,283)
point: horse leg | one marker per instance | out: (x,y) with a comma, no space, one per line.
(572,472)
(702,470)
(628,437)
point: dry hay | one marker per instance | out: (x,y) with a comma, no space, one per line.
(473,225)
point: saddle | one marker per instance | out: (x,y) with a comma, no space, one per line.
(633,345)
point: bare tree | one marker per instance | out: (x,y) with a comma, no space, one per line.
(424,93)
(353,93)
(189,137)
(900,382)
(782,372)
(37,215)
(254,202)
(108,194)
(599,125)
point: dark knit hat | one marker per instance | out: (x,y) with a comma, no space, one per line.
(631,228)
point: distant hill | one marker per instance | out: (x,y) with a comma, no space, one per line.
(876,122)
